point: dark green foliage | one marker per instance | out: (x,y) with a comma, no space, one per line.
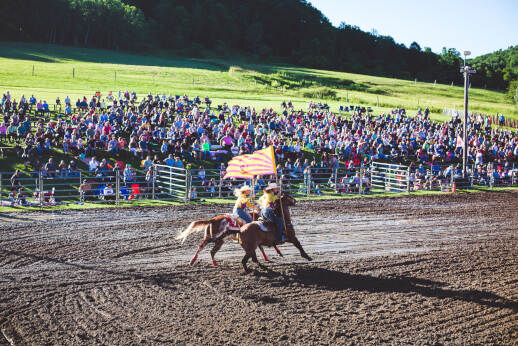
(496,70)
(289,29)
(320,93)
(92,23)
(512,92)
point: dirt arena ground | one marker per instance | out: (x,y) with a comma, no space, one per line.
(426,270)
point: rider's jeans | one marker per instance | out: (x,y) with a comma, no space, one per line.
(268,214)
(242,214)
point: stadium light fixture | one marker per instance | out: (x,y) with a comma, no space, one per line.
(466,53)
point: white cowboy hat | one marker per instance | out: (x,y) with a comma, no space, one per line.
(271,186)
(245,188)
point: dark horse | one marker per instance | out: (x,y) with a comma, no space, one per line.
(250,236)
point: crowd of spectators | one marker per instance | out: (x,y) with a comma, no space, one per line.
(178,130)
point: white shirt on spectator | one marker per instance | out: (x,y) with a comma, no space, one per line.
(108,191)
(93,164)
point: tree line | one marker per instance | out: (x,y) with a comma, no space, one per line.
(292,30)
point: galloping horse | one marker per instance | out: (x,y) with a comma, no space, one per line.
(214,228)
(251,236)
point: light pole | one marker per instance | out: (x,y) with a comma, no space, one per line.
(466,70)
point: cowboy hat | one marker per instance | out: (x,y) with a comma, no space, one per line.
(245,188)
(271,186)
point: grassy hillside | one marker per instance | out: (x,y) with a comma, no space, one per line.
(48,71)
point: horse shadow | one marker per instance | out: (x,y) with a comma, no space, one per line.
(333,280)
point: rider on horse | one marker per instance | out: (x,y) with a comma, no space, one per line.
(267,202)
(243,201)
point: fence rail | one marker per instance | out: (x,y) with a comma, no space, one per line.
(178,184)
(390,177)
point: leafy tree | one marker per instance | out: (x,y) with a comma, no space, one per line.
(415,46)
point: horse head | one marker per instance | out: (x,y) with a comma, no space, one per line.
(287,199)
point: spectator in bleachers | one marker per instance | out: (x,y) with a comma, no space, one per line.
(179,127)
(93,164)
(129,174)
(50,168)
(62,169)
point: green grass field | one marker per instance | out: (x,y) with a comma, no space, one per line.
(48,71)
(159,203)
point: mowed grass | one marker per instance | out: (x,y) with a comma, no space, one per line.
(48,71)
(160,203)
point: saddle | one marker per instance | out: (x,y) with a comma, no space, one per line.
(234,222)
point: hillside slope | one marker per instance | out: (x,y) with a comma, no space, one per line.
(498,68)
(48,71)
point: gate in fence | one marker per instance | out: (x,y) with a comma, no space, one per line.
(173,181)
(390,177)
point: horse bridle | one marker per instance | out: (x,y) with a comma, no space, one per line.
(288,224)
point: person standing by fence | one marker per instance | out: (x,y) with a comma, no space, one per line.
(15,179)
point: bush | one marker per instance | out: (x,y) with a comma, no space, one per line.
(320,93)
(512,92)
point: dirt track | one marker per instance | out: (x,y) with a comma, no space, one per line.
(436,269)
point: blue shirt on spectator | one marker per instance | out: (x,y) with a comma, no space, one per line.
(170,162)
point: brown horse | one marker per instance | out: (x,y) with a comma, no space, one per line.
(214,228)
(251,236)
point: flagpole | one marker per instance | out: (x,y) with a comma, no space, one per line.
(253,196)
(280,198)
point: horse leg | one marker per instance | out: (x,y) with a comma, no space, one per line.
(244,260)
(215,249)
(278,251)
(264,253)
(254,259)
(201,245)
(303,253)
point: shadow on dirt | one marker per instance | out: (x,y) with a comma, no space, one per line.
(332,280)
(164,281)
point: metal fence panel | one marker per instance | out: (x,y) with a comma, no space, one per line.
(178,184)
(389,177)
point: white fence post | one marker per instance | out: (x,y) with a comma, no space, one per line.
(40,182)
(451,178)
(408,180)
(219,184)
(153,178)
(336,180)
(117,186)
(360,187)
(308,187)
(79,189)
(188,185)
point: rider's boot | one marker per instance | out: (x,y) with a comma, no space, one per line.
(280,238)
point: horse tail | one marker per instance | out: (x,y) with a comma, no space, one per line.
(193,227)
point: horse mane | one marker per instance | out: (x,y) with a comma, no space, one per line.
(278,206)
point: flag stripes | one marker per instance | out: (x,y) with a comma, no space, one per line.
(261,162)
